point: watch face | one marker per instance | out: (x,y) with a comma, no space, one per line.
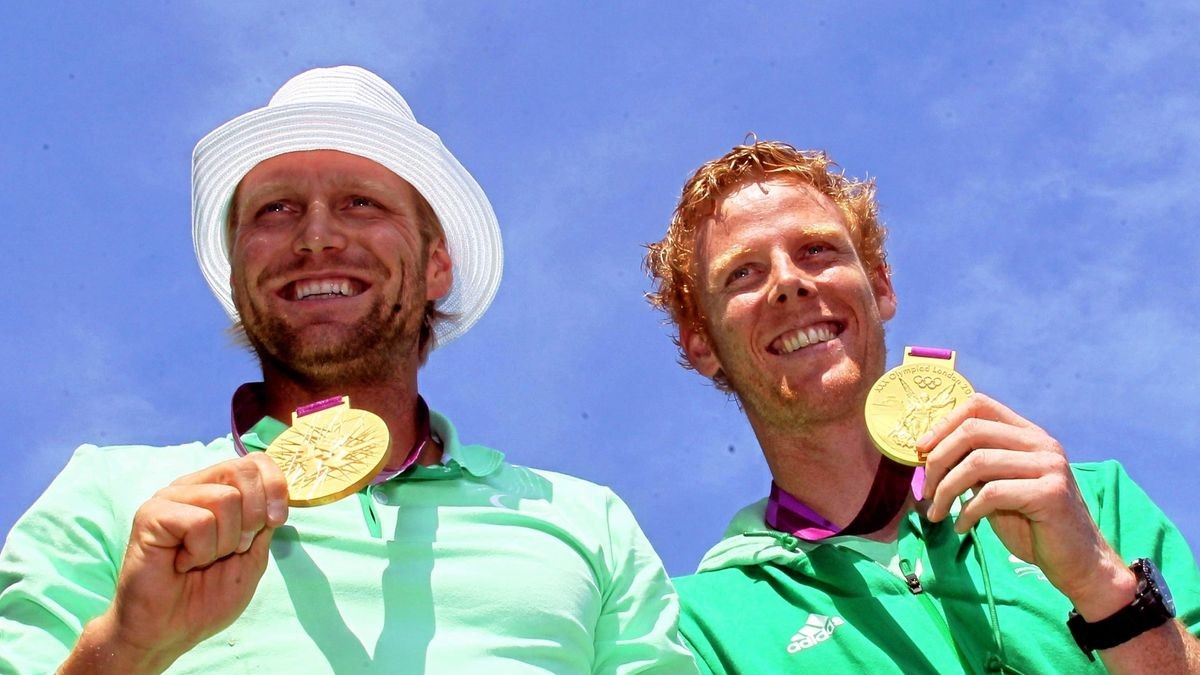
(1155,577)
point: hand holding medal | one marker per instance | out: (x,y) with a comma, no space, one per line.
(331,450)
(924,413)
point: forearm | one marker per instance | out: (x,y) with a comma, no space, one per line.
(1170,648)
(100,651)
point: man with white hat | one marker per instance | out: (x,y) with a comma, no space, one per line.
(347,242)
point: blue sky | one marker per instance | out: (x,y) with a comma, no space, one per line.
(1036,166)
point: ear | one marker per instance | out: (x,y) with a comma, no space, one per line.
(234,285)
(439,271)
(699,352)
(885,295)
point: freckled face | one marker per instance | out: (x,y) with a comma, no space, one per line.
(793,319)
(330,274)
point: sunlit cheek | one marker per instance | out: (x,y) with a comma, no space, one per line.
(785,390)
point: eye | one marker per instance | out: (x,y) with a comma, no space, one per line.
(738,274)
(815,249)
(361,202)
(272,207)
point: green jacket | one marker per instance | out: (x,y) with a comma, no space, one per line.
(765,602)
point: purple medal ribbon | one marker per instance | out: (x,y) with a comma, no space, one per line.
(246,409)
(888,493)
(931,352)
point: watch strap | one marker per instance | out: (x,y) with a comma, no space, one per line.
(1147,611)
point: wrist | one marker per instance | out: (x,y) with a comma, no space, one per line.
(101,650)
(1105,593)
(1151,607)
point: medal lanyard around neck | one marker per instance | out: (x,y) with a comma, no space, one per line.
(246,409)
(889,491)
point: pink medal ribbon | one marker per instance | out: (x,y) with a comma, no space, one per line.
(890,489)
(246,409)
(931,352)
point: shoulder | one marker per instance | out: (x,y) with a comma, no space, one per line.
(1105,484)
(585,509)
(89,452)
(559,488)
(132,462)
(705,587)
(1099,474)
(573,484)
(117,475)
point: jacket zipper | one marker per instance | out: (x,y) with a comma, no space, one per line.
(917,590)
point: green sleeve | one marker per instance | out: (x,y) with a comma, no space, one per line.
(701,663)
(58,569)
(638,628)
(1137,528)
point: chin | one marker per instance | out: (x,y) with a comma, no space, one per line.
(791,403)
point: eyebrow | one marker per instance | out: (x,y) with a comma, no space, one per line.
(716,269)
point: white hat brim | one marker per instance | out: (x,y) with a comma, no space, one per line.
(222,158)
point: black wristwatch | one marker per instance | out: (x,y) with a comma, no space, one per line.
(1152,606)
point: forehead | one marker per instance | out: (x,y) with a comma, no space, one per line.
(761,211)
(318,168)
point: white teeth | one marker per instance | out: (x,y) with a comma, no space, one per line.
(329,287)
(805,337)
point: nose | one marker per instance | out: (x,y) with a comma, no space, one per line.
(788,280)
(319,230)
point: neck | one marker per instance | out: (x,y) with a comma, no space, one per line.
(393,399)
(829,465)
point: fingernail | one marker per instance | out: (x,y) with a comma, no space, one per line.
(925,439)
(247,540)
(276,511)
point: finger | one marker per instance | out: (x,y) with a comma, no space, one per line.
(188,531)
(212,532)
(260,550)
(977,405)
(275,489)
(972,433)
(982,466)
(1015,495)
(246,474)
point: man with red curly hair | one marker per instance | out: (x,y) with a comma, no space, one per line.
(774,272)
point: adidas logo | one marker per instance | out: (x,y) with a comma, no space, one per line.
(1023,568)
(814,631)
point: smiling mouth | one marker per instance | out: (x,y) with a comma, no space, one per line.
(805,337)
(322,289)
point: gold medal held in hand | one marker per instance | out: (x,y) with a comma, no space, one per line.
(330,451)
(910,398)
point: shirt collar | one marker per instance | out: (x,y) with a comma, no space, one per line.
(477,460)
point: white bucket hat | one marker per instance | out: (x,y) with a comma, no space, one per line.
(354,111)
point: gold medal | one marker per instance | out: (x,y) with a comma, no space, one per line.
(910,398)
(330,451)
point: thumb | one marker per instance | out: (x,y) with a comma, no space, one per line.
(260,551)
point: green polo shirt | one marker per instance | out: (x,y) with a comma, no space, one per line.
(765,602)
(474,565)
